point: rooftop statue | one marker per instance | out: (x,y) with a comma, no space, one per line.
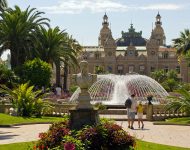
(84,80)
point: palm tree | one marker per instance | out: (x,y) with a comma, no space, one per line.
(51,47)
(181,103)
(182,44)
(17,29)
(3,5)
(74,48)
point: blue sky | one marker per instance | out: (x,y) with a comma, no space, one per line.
(83,18)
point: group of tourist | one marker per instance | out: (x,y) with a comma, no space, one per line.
(132,108)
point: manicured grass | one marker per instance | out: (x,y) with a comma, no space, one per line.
(18,146)
(10,120)
(141,145)
(184,120)
(176,121)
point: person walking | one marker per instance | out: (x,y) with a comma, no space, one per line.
(131,105)
(140,114)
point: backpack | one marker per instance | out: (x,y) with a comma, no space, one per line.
(128,103)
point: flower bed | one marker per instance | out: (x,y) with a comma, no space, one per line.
(105,136)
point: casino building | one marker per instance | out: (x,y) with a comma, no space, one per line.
(132,53)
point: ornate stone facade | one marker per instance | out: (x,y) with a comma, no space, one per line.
(133,53)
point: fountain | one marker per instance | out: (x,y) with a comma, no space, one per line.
(115,89)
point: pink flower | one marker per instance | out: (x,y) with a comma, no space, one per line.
(69,146)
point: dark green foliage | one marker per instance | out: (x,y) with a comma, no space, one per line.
(169,80)
(7,77)
(37,72)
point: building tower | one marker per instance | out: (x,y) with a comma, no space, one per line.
(158,32)
(108,43)
(156,40)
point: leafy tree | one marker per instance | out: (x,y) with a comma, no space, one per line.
(17,30)
(169,80)
(172,74)
(180,103)
(26,101)
(170,84)
(159,75)
(37,72)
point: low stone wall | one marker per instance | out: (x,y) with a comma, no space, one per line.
(157,112)
(5,108)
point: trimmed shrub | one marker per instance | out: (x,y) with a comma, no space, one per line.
(37,72)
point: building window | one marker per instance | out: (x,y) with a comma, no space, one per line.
(120,69)
(97,55)
(166,69)
(109,68)
(178,69)
(141,68)
(152,69)
(165,55)
(131,69)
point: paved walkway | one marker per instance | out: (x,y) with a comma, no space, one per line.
(163,134)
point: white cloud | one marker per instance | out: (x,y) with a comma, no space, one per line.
(77,6)
(162,7)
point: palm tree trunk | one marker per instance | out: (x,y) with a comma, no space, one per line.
(65,77)
(58,78)
(14,60)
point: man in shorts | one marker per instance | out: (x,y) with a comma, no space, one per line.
(131,112)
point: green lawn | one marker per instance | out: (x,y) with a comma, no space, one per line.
(184,120)
(177,121)
(18,146)
(141,145)
(10,120)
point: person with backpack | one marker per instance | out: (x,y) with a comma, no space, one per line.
(131,105)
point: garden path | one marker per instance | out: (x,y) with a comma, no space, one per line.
(162,134)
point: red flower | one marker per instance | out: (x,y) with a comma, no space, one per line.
(69,146)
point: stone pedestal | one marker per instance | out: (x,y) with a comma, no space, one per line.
(149,113)
(84,100)
(82,117)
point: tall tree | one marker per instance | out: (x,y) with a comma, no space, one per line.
(51,46)
(74,48)
(182,44)
(16,32)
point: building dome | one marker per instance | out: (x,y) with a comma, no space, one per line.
(131,36)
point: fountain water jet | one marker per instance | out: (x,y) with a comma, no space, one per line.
(115,89)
